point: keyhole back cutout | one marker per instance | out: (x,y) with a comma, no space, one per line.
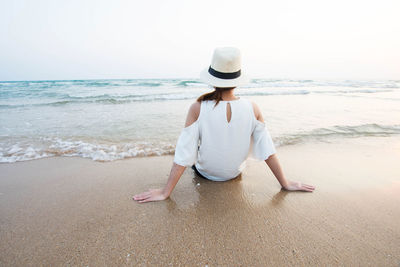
(228,112)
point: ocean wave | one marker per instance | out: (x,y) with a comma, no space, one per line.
(186,83)
(63,92)
(196,82)
(339,131)
(148,84)
(54,99)
(75,148)
(100,100)
(109,151)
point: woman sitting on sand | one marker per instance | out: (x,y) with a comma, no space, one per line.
(220,131)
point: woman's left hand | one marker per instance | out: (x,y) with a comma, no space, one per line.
(150,195)
(298,186)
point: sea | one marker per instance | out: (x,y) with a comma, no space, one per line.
(107,120)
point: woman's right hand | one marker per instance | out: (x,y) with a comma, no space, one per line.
(298,186)
(150,195)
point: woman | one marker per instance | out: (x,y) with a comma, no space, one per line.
(220,131)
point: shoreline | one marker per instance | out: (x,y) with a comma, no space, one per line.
(75,211)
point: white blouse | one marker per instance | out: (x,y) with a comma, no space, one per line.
(219,148)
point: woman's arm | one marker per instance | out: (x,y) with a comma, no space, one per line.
(176,170)
(161,194)
(273,163)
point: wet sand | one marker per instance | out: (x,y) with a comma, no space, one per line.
(73,211)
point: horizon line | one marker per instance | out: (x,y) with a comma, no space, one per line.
(198,79)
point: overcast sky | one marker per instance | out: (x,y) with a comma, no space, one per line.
(96,39)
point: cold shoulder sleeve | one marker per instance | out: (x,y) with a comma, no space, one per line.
(187,145)
(262,144)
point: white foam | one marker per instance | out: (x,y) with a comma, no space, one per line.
(70,148)
(50,147)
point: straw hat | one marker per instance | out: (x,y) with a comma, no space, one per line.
(225,68)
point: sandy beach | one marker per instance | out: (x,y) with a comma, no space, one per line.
(78,212)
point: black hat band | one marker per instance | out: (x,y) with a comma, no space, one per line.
(224,75)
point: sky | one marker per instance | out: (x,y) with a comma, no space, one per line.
(96,39)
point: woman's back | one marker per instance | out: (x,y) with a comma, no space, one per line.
(224,146)
(218,142)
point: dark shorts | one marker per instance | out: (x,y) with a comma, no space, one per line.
(197,172)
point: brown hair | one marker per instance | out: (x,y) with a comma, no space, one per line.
(214,95)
